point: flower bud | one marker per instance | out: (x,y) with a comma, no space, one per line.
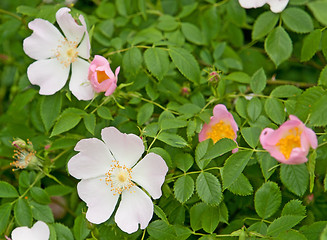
(101,76)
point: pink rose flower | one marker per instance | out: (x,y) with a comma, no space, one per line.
(221,125)
(290,143)
(101,76)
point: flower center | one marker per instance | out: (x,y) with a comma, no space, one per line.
(66,52)
(288,143)
(221,130)
(101,75)
(119,178)
(22,158)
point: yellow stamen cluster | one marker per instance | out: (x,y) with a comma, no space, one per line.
(23,158)
(288,143)
(220,130)
(119,178)
(66,52)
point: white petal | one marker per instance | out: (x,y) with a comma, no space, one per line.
(69,26)
(150,173)
(49,74)
(79,84)
(44,40)
(40,231)
(277,6)
(126,148)
(84,47)
(252,3)
(135,208)
(93,160)
(100,200)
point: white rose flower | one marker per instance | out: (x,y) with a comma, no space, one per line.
(40,231)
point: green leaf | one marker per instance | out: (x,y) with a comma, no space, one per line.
(104,113)
(314,230)
(291,235)
(221,147)
(160,213)
(200,151)
(184,188)
(258,81)
(275,110)
(23,213)
(285,91)
(192,33)
(240,77)
(67,120)
(319,9)
(297,20)
(58,190)
(184,161)
(40,195)
(5,210)
(310,45)
(186,63)
(295,178)
(50,114)
(324,43)
(283,223)
(172,139)
(144,113)
(241,186)
(164,154)
(80,229)
(7,190)
(236,13)
(42,212)
(311,168)
(210,219)
(132,60)
(323,76)
(234,166)
(267,199)
(63,232)
(27,10)
(156,60)
(294,207)
(241,107)
(267,164)
(196,213)
(161,230)
(254,108)
(90,122)
(305,102)
(319,112)
(167,23)
(208,188)
(173,123)
(278,45)
(264,24)
(251,135)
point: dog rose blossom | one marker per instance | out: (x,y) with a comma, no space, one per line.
(290,143)
(101,76)
(40,231)
(276,6)
(221,125)
(55,53)
(110,170)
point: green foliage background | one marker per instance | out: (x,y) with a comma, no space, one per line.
(268,66)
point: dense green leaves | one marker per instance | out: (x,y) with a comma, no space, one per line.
(282,224)
(156,60)
(208,188)
(310,45)
(295,178)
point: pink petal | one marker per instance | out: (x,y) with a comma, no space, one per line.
(203,132)
(150,173)
(99,199)
(69,26)
(298,156)
(93,160)
(135,208)
(49,74)
(126,148)
(79,84)
(220,112)
(44,40)
(311,137)
(277,6)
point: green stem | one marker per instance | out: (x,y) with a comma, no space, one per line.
(286,82)
(154,139)
(11,14)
